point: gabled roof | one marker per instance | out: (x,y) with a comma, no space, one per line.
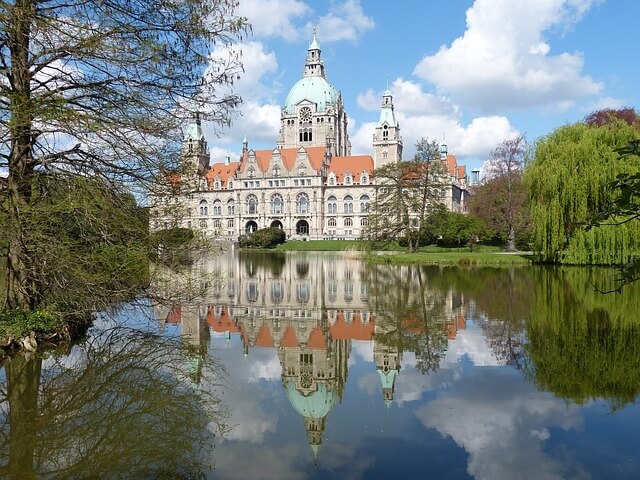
(289,338)
(355,164)
(315,156)
(316,339)
(221,170)
(264,338)
(356,330)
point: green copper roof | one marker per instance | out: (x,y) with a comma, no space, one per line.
(314,89)
(314,45)
(315,405)
(387,116)
(388,379)
(194,130)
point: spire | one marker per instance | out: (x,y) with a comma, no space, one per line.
(245,144)
(387,115)
(194,129)
(314,67)
(314,45)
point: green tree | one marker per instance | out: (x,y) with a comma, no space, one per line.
(569,181)
(452,228)
(490,203)
(100,88)
(406,192)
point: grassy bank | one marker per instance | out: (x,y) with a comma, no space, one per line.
(393,253)
(461,258)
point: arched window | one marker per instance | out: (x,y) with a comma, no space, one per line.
(302,203)
(364,203)
(203,224)
(216,184)
(231,207)
(348,222)
(348,204)
(230,223)
(217,223)
(348,178)
(252,292)
(277,292)
(204,209)
(364,178)
(385,132)
(302,292)
(252,204)
(332,179)
(332,222)
(217,208)
(364,221)
(276,203)
(333,204)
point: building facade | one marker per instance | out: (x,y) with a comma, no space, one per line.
(309,184)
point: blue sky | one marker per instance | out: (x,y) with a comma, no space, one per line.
(476,72)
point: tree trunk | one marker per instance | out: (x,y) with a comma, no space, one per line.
(20,286)
(511,239)
(23,381)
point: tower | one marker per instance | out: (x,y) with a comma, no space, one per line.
(387,142)
(313,114)
(195,152)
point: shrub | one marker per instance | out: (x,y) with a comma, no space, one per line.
(264,238)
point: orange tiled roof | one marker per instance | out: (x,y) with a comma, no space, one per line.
(316,339)
(223,323)
(264,338)
(289,338)
(355,164)
(174,315)
(221,170)
(356,330)
(315,156)
(462,171)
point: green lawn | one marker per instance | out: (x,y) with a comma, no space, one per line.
(393,253)
(450,258)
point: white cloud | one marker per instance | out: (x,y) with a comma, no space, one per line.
(259,114)
(503,428)
(422,114)
(605,102)
(502,60)
(273,18)
(345,21)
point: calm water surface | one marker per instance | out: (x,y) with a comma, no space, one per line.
(320,366)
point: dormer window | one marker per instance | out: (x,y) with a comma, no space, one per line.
(364,179)
(348,179)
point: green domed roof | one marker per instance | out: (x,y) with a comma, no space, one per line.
(316,405)
(314,89)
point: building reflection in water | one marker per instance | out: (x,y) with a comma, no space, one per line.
(309,309)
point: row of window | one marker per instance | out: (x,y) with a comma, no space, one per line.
(348,180)
(347,222)
(302,204)
(303,292)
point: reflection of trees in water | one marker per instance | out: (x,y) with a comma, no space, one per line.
(272,262)
(553,324)
(410,315)
(584,344)
(119,406)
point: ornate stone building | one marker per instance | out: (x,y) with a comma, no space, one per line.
(309,184)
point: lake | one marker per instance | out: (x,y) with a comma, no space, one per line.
(318,365)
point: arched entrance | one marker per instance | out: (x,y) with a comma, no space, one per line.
(250,227)
(276,224)
(302,227)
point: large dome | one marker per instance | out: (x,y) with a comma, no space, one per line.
(314,89)
(316,405)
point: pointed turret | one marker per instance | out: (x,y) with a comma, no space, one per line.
(387,142)
(314,65)
(195,152)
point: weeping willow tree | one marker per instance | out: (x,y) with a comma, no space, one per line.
(569,180)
